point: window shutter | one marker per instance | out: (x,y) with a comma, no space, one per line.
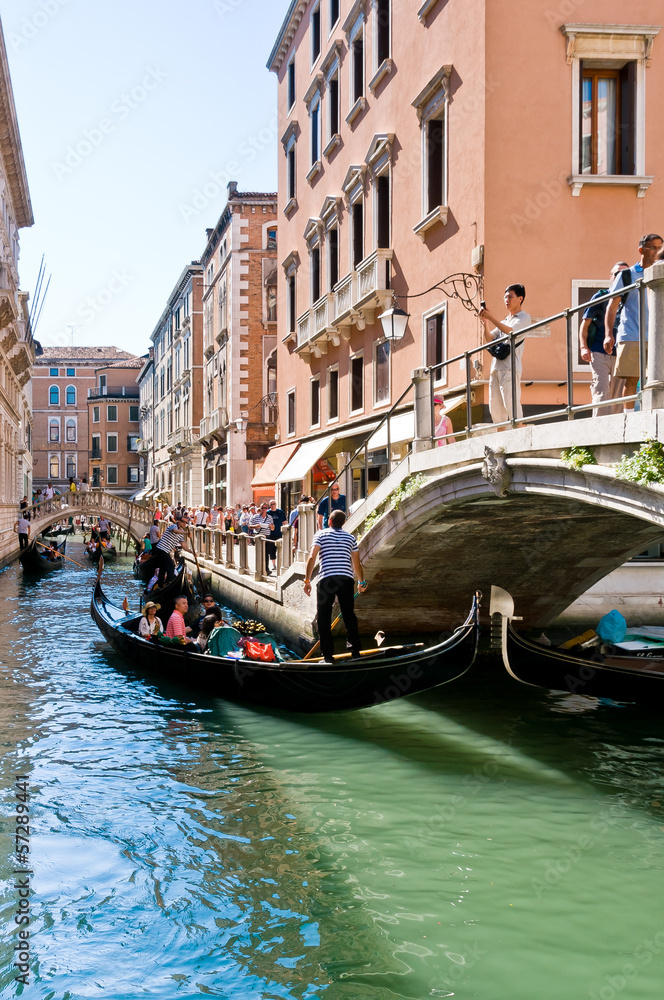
(627,118)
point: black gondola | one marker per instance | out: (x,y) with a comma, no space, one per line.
(144,566)
(108,552)
(35,559)
(179,586)
(297,685)
(605,675)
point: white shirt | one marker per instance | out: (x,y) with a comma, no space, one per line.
(49,493)
(516,322)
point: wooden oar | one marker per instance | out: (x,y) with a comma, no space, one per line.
(193,549)
(62,555)
(314,649)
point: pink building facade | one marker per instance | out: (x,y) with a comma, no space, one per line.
(423,140)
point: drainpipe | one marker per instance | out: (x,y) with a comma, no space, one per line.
(423,406)
(653,279)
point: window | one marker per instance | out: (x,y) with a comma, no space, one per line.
(431,105)
(71,395)
(133,414)
(53,372)
(291,172)
(95,414)
(272,303)
(169,374)
(315,273)
(383,211)
(334,13)
(102,383)
(132,442)
(54,430)
(71,430)
(272,239)
(435,337)
(333,393)
(54,467)
(315,402)
(71,373)
(357,67)
(357,383)
(292,303)
(112,475)
(111,442)
(290,403)
(435,160)
(132,474)
(112,414)
(96,478)
(333,104)
(54,396)
(96,446)
(607,121)
(382,372)
(382,31)
(333,256)
(315,34)
(609,67)
(357,224)
(291,83)
(315,131)
(71,467)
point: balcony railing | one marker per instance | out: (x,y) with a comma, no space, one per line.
(179,438)
(304,328)
(215,421)
(344,292)
(324,312)
(373,278)
(114,390)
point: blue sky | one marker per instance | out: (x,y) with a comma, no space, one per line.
(133,116)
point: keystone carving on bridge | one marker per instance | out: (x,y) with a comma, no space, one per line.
(496,471)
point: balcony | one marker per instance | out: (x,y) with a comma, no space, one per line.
(344,292)
(316,327)
(373,283)
(214,423)
(116,391)
(179,439)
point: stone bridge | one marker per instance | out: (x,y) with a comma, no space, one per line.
(134,518)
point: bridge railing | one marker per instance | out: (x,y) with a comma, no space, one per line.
(94,501)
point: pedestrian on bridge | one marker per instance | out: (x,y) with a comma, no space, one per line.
(500,377)
(339,565)
(591,343)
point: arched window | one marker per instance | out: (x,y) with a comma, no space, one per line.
(71,430)
(71,395)
(54,396)
(54,430)
(54,467)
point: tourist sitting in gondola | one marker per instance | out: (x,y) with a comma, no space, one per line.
(177,629)
(53,554)
(149,623)
(210,621)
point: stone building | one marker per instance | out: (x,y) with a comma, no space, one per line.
(62,379)
(17,349)
(114,421)
(177,394)
(240,336)
(145,382)
(409,154)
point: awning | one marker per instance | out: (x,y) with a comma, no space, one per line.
(303,459)
(402,428)
(275,460)
(349,438)
(142,494)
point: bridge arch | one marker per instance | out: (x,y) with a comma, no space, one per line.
(134,518)
(552,535)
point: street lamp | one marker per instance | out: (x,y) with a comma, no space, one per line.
(467,288)
(240,425)
(394,321)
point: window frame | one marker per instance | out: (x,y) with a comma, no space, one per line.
(381,343)
(109,469)
(96,452)
(54,424)
(70,373)
(432,104)
(110,435)
(136,478)
(291,401)
(357,356)
(291,94)
(53,458)
(109,418)
(333,21)
(54,373)
(96,414)
(315,28)
(440,309)
(333,370)
(70,390)
(70,422)
(314,380)
(54,390)
(70,466)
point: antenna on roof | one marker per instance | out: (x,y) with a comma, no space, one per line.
(71,329)
(38,298)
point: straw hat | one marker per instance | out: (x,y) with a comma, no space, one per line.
(151,604)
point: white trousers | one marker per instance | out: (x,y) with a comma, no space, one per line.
(500,395)
(603,386)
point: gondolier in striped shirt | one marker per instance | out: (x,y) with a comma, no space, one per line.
(262,524)
(339,564)
(171,539)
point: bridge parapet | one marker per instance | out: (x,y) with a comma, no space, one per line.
(133,517)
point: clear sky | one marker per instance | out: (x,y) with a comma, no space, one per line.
(134,115)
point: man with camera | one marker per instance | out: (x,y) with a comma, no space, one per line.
(500,378)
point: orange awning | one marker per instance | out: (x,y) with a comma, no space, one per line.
(275,461)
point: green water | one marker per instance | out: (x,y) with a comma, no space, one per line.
(485,841)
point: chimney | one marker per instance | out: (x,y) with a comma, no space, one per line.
(232,189)
(208,233)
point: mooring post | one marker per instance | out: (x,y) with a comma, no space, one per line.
(653,279)
(423,407)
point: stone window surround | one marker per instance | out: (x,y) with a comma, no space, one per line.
(351,358)
(379,162)
(330,66)
(387,65)
(620,44)
(328,371)
(387,402)
(315,378)
(440,307)
(428,104)
(352,27)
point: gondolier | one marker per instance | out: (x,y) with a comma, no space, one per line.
(103,527)
(22,526)
(340,563)
(171,539)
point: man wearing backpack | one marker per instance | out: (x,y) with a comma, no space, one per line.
(591,344)
(626,341)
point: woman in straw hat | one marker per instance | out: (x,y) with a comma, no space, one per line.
(149,623)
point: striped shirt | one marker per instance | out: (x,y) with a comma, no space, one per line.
(176,625)
(171,539)
(264,525)
(335,546)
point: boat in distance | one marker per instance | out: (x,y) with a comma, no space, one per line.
(296,685)
(595,671)
(33,559)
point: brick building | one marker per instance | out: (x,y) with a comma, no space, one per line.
(410,153)
(113,421)
(177,391)
(238,423)
(62,378)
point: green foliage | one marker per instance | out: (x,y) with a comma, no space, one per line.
(645,466)
(576,457)
(408,488)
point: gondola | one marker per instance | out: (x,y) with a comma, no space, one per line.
(179,586)
(144,566)
(109,553)
(296,685)
(35,559)
(614,675)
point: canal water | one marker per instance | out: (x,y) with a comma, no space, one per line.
(484,841)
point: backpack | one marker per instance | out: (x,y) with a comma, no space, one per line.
(625,295)
(596,325)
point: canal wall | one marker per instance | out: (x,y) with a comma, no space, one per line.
(8,538)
